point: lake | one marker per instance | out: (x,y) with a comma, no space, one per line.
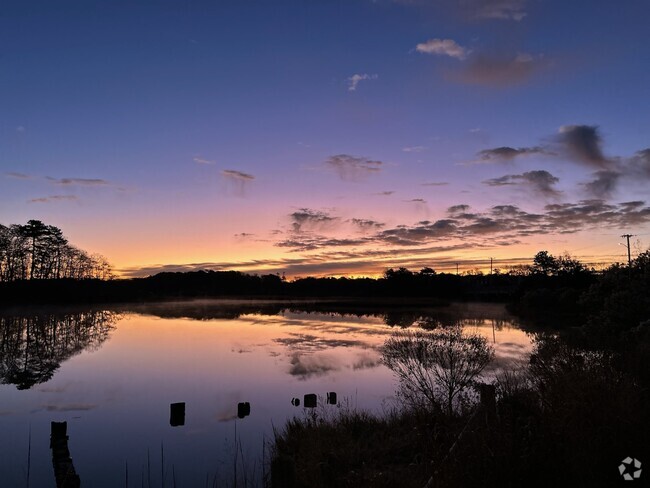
(112,373)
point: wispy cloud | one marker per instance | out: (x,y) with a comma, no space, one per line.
(237,180)
(495,9)
(507,154)
(414,149)
(203,161)
(308,219)
(53,198)
(237,175)
(498,70)
(78,181)
(540,181)
(20,176)
(435,183)
(604,184)
(442,47)
(310,242)
(366,224)
(640,163)
(354,80)
(353,168)
(386,193)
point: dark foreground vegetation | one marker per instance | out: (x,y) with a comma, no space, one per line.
(568,417)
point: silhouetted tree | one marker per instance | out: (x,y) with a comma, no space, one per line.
(544,263)
(434,367)
(39,251)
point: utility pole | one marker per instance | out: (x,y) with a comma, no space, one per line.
(456,268)
(629,255)
(491,265)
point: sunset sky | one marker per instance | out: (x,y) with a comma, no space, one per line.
(328,137)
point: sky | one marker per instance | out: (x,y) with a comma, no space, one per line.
(328,137)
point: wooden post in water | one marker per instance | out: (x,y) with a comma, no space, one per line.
(64,473)
(488,402)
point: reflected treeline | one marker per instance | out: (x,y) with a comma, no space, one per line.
(32,347)
(393,314)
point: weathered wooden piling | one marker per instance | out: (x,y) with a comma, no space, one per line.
(310,400)
(64,472)
(177,414)
(243,409)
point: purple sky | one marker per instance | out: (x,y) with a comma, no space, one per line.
(327,137)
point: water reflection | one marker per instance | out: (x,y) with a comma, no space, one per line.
(238,368)
(396,315)
(64,472)
(32,347)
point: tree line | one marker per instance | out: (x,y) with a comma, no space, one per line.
(37,251)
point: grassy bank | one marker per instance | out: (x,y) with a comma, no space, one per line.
(568,419)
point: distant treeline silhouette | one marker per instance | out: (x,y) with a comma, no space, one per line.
(39,251)
(38,265)
(551,285)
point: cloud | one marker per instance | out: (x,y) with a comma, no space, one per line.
(506,153)
(78,181)
(308,219)
(435,183)
(422,232)
(366,224)
(640,164)
(604,184)
(428,243)
(352,168)
(385,193)
(53,198)
(305,367)
(236,175)
(442,47)
(203,161)
(509,222)
(583,143)
(498,71)
(414,149)
(21,176)
(458,209)
(495,9)
(238,180)
(539,181)
(355,79)
(302,243)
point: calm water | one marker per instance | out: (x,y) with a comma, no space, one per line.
(113,373)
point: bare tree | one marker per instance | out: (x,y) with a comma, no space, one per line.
(40,251)
(434,367)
